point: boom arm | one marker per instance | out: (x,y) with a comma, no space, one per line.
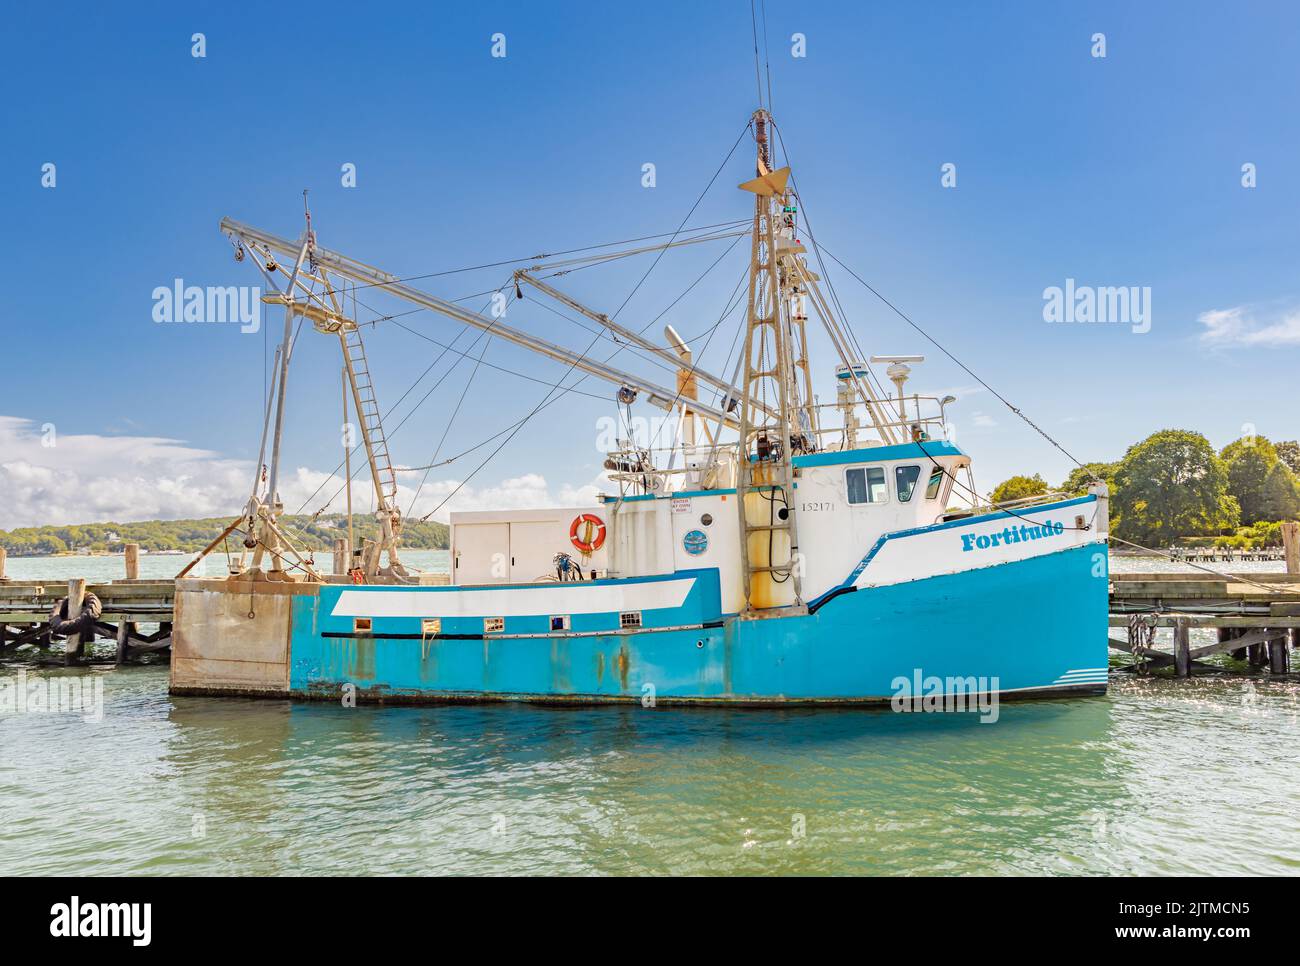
(364,274)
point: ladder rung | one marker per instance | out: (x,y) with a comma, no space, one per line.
(767,526)
(783,569)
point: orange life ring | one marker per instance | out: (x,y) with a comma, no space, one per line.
(593,532)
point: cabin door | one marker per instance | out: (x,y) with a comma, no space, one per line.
(533,545)
(482,553)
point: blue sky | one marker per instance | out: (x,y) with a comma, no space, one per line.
(1117,171)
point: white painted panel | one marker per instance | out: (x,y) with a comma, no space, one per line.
(642,532)
(723,542)
(482,553)
(1005,539)
(533,546)
(569,598)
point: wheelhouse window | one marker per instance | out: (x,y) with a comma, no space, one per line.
(866,484)
(936,483)
(905,478)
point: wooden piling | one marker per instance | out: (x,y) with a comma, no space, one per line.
(340,555)
(1228,634)
(131,553)
(1182,648)
(1291,546)
(73,646)
(123,641)
(3,553)
(1277,657)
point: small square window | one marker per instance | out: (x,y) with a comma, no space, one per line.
(932,488)
(560,623)
(631,618)
(494,625)
(866,484)
(361,625)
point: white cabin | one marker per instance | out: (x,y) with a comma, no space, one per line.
(846,500)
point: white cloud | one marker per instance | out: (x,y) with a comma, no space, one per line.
(959,392)
(89,478)
(1242,326)
(982,419)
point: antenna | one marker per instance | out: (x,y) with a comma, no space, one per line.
(898,372)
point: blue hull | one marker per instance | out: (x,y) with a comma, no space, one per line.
(1032,627)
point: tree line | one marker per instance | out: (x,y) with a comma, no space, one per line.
(191,536)
(1174,488)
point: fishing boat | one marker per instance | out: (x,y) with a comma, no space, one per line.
(779,552)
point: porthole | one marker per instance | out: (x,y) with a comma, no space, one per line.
(707,519)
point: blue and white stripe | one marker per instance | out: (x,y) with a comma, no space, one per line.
(1084,675)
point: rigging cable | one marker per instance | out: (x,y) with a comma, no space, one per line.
(1038,429)
(393,407)
(902,315)
(886,402)
(698,358)
(559,384)
(767,58)
(758,80)
(450,420)
(543,256)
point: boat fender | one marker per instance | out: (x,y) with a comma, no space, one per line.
(587,532)
(83,623)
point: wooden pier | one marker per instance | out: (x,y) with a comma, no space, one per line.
(124,605)
(1226,554)
(1255,616)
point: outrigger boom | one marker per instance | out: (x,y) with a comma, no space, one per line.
(357,271)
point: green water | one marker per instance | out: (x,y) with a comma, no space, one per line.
(1165,778)
(1159,777)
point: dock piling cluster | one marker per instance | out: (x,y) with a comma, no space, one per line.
(126,605)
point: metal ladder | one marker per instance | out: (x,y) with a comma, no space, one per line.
(367,408)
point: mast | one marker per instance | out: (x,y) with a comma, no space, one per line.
(769,546)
